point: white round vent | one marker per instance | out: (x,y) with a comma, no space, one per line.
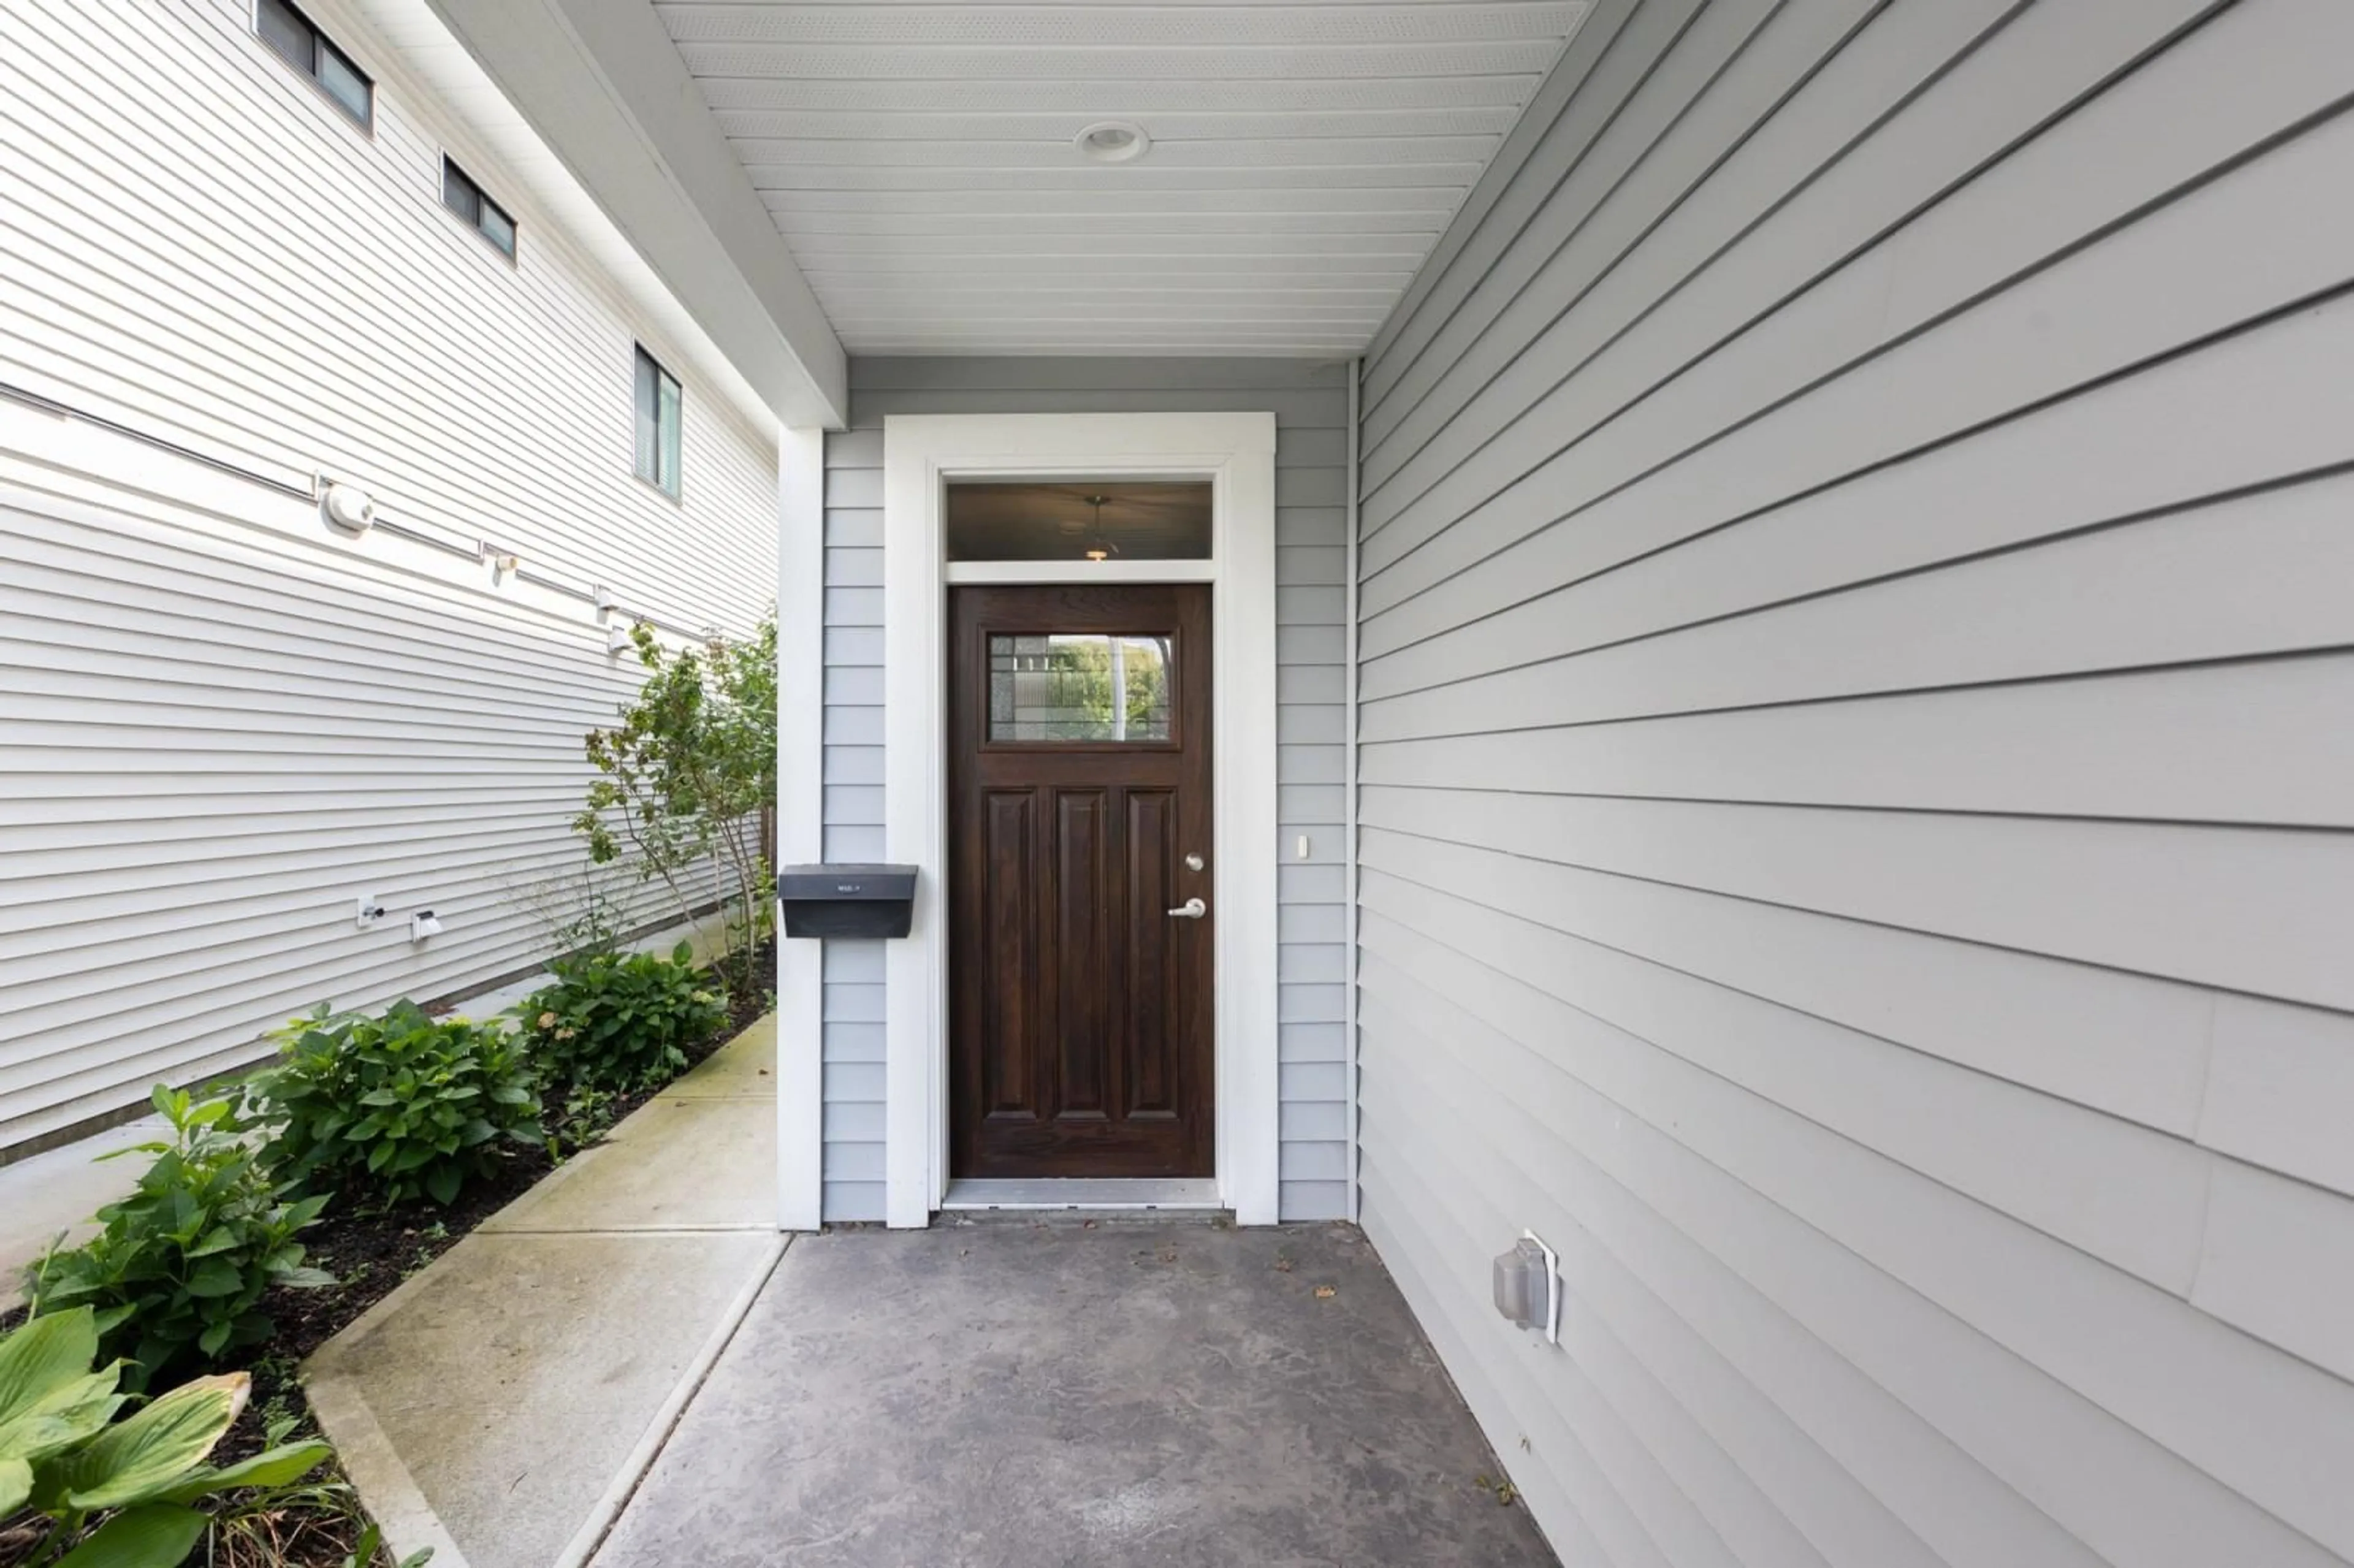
(349,507)
(1112,141)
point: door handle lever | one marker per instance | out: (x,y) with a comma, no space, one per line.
(1191,909)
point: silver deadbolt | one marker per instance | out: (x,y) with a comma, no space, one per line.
(1192,862)
(1191,909)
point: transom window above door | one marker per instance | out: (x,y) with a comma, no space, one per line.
(1126,520)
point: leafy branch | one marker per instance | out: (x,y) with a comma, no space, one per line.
(687,778)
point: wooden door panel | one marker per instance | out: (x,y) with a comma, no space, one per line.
(1151,853)
(1079,784)
(1076,961)
(1010,1076)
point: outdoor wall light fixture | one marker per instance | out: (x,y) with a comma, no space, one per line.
(346,506)
(1113,142)
(1099,548)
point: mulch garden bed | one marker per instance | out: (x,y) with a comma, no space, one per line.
(370,1253)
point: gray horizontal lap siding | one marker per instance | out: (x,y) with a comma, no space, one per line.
(1310,405)
(1855,802)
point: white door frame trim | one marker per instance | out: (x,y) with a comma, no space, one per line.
(1236,453)
(801,821)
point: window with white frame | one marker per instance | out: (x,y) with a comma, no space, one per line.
(486,218)
(299,42)
(658,419)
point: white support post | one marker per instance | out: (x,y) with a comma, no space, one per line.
(801,820)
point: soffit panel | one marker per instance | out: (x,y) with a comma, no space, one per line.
(919,161)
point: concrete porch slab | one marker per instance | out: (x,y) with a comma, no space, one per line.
(1020,1395)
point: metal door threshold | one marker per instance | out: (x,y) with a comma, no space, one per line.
(1190,1194)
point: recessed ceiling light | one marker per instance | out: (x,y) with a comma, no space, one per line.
(1112,141)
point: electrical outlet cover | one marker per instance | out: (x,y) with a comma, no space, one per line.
(1552,1315)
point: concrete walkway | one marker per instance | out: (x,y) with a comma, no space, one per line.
(496,1406)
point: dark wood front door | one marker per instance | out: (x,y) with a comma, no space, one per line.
(1080,1007)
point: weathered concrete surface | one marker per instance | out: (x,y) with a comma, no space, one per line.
(744,1068)
(490,1406)
(675,1164)
(1013,1395)
(513,1382)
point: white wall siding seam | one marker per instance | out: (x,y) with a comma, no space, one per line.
(1349,897)
(603,597)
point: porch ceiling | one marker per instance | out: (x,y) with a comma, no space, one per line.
(919,160)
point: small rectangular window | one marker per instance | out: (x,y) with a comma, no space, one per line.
(290,34)
(1092,686)
(658,419)
(486,218)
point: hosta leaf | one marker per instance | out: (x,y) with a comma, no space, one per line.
(43,1356)
(69,1412)
(15,1485)
(159,1536)
(278,1467)
(442,1182)
(137,1460)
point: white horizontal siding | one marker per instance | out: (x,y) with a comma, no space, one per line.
(221,723)
(1855,825)
(1310,405)
(207,249)
(197,785)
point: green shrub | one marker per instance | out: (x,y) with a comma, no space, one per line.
(687,782)
(398,1108)
(620,1021)
(180,1267)
(64,1456)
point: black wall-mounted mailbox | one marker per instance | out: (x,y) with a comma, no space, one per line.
(847,900)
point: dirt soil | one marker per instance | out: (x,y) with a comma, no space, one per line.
(370,1254)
